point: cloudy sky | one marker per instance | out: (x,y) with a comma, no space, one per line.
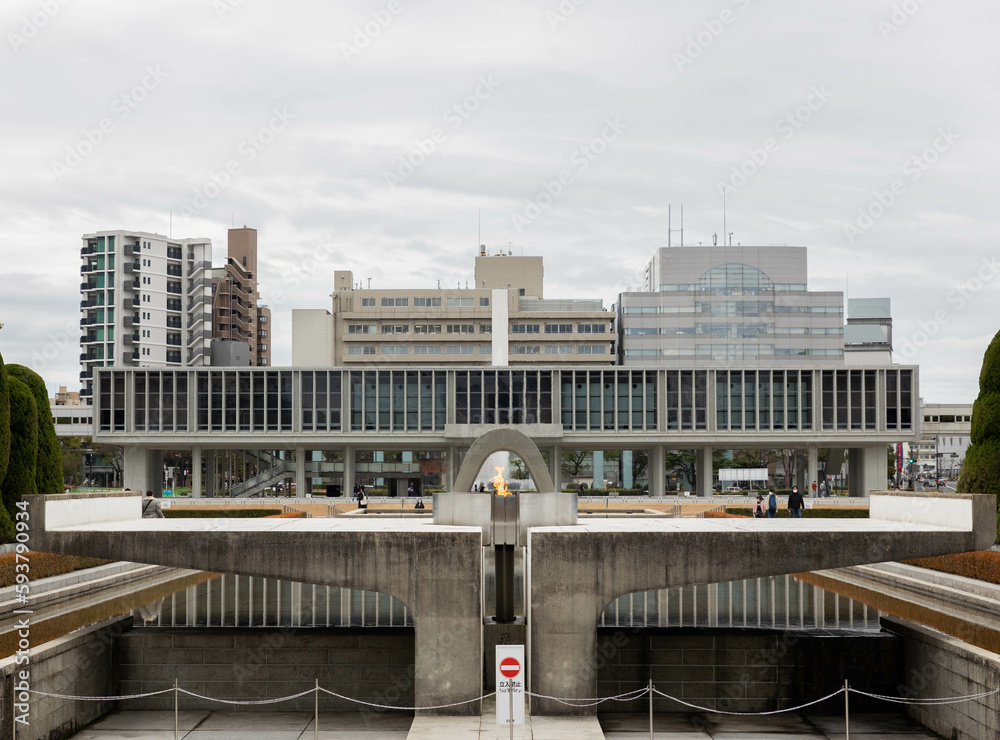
(369,135)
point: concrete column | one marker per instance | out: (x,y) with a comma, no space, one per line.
(855,472)
(704,471)
(451,467)
(812,482)
(301,482)
(598,466)
(135,473)
(800,472)
(657,470)
(875,469)
(348,471)
(555,467)
(196,462)
(211,474)
(626,469)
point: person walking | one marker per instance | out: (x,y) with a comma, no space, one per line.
(758,508)
(362,499)
(410,490)
(795,503)
(151,507)
(772,504)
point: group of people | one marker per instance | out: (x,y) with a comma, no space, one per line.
(361,495)
(796,503)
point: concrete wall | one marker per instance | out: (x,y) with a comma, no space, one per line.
(746,670)
(936,665)
(80,664)
(371,664)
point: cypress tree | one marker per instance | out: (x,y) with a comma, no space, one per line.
(48,468)
(981,470)
(4,421)
(20,479)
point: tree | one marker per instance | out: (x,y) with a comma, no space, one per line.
(113,455)
(4,421)
(519,471)
(21,476)
(72,459)
(981,470)
(48,467)
(573,462)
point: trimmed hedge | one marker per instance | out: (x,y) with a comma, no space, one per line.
(288,515)
(220,513)
(4,421)
(48,469)
(43,565)
(21,478)
(983,565)
(981,469)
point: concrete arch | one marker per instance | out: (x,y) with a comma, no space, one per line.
(503,440)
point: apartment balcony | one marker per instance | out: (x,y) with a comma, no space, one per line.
(91,339)
(89,249)
(86,268)
(174,342)
(86,392)
(83,356)
(135,354)
(86,374)
(86,322)
(135,301)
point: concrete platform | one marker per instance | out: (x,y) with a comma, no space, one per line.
(235,725)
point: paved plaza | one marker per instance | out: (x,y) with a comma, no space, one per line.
(237,725)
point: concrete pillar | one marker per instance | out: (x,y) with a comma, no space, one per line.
(598,466)
(196,462)
(555,467)
(451,467)
(704,471)
(627,469)
(800,472)
(348,471)
(875,469)
(812,482)
(301,482)
(211,474)
(137,473)
(657,470)
(855,472)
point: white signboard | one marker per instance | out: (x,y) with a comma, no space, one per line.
(510,691)
(742,474)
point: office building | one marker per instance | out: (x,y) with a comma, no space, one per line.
(868,334)
(503,318)
(146,302)
(719,306)
(236,314)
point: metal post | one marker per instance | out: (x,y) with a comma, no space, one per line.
(176,728)
(316,712)
(650,708)
(847,711)
(510,706)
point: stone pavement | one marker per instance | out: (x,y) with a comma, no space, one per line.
(237,725)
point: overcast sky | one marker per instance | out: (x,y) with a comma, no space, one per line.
(888,107)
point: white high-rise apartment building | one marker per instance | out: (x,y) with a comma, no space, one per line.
(146,301)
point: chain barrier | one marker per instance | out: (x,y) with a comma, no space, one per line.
(585,702)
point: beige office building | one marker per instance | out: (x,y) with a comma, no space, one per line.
(236,315)
(503,319)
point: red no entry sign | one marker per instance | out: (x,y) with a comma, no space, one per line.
(509,667)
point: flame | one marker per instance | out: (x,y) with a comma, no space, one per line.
(499,483)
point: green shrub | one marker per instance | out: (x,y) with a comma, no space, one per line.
(44,565)
(981,470)
(48,469)
(4,421)
(831,513)
(20,479)
(983,565)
